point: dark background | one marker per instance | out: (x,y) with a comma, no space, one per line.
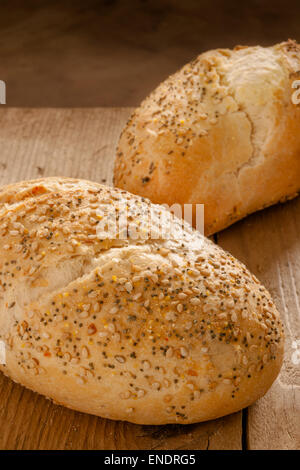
(114,52)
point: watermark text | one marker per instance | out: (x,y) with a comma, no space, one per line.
(2,92)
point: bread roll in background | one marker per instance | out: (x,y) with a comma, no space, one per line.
(223,131)
(151,331)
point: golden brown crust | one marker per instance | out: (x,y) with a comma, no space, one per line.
(222,132)
(149,331)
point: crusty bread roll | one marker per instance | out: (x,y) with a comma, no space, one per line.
(150,331)
(223,132)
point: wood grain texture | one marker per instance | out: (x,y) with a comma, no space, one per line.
(79,143)
(59,142)
(268,243)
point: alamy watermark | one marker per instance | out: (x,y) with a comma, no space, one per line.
(132,220)
(2,92)
(2,353)
(296,352)
(296,94)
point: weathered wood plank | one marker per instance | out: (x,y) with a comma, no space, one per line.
(269,244)
(79,143)
(53,142)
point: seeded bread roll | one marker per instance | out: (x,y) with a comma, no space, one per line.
(222,132)
(151,331)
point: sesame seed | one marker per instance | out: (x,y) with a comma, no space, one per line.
(146,365)
(169,352)
(156,385)
(125,395)
(183,352)
(85,352)
(120,359)
(128,286)
(227,381)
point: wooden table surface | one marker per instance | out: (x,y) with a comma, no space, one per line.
(81,143)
